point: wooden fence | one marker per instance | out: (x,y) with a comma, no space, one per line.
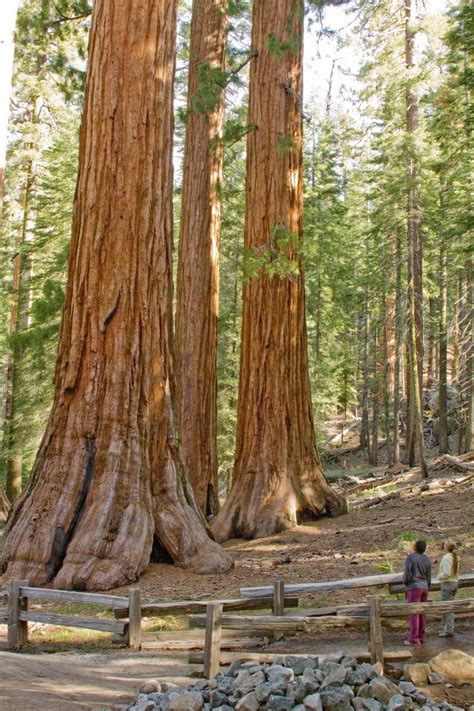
(368,615)
(393,580)
(17,615)
(222,629)
(128,611)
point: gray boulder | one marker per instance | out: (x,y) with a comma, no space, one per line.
(279,703)
(279,677)
(263,691)
(363,673)
(336,677)
(383,689)
(217,698)
(185,701)
(334,699)
(313,702)
(249,702)
(406,687)
(397,703)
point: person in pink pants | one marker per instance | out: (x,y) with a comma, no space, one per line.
(417,581)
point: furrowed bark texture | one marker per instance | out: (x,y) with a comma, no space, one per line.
(278,479)
(107,486)
(198,264)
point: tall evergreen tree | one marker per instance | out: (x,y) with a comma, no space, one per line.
(107,486)
(198,264)
(277,476)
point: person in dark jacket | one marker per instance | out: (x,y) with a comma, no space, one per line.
(417,581)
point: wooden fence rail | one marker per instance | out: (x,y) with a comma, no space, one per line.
(189,607)
(222,628)
(393,580)
(369,616)
(17,615)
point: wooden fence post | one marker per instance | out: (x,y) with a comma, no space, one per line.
(375,630)
(212,645)
(279,597)
(134,619)
(17,634)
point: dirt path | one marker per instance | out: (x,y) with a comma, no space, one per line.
(54,682)
(108,680)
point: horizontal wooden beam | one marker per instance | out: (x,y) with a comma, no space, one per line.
(269,657)
(465,581)
(270,623)
(350,583)
(90,623)
(400,609)
(434,608)
(188,607)
(234,642)
(73,596)
(394,580)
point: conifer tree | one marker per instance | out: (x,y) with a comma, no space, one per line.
(277,476)
(107,490)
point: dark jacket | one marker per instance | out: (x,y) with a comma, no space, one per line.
(417,571)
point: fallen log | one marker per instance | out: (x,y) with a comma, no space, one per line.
(458,464)
(392,495)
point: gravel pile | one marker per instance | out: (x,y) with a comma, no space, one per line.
(337,683)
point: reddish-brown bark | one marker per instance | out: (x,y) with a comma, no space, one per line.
(198,264)
(107,486)
(277,476)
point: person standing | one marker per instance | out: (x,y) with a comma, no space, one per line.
(449,577)
(417,581)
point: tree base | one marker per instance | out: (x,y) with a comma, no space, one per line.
(97,560)
(244,515)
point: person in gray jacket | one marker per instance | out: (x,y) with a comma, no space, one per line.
(417,581)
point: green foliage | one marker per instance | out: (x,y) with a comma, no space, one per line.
(278,47)
(279,257)
(285,144)
(212,81)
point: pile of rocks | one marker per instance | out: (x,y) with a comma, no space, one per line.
(336,683)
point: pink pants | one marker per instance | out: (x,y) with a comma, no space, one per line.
(417,622)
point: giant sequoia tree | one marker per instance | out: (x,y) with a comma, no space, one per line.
(107,490)
(277,476)
(198,275)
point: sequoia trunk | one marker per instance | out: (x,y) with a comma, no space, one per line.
(107,486)
(198,277)
(278,479)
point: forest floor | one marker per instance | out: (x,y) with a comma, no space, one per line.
(367,540)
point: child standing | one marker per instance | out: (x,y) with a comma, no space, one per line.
(448,576)
(417,581)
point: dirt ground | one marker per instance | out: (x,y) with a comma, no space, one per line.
(363,542)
